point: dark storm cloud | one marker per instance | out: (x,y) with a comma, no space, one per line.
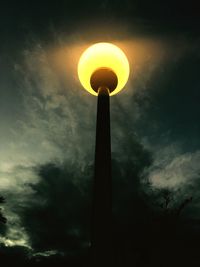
(58,217)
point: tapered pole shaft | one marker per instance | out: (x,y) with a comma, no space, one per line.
(102,199)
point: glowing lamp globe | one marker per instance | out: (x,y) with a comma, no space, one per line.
(103,65)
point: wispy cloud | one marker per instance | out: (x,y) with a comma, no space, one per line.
(175,169)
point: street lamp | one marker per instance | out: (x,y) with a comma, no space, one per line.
(103,70)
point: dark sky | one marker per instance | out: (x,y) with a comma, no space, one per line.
(47,122)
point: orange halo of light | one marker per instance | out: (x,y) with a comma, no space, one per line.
(103,55)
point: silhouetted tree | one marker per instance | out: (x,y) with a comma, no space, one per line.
(169,208)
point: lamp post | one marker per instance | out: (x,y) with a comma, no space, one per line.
(103,70)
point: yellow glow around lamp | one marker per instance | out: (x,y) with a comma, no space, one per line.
(103,56)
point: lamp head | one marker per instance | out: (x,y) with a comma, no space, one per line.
(104,77)
(103,65)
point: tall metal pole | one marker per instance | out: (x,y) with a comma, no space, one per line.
(102,199)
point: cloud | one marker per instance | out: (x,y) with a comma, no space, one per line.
(178,172)
(58,215)
(15,189)
(181,170)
